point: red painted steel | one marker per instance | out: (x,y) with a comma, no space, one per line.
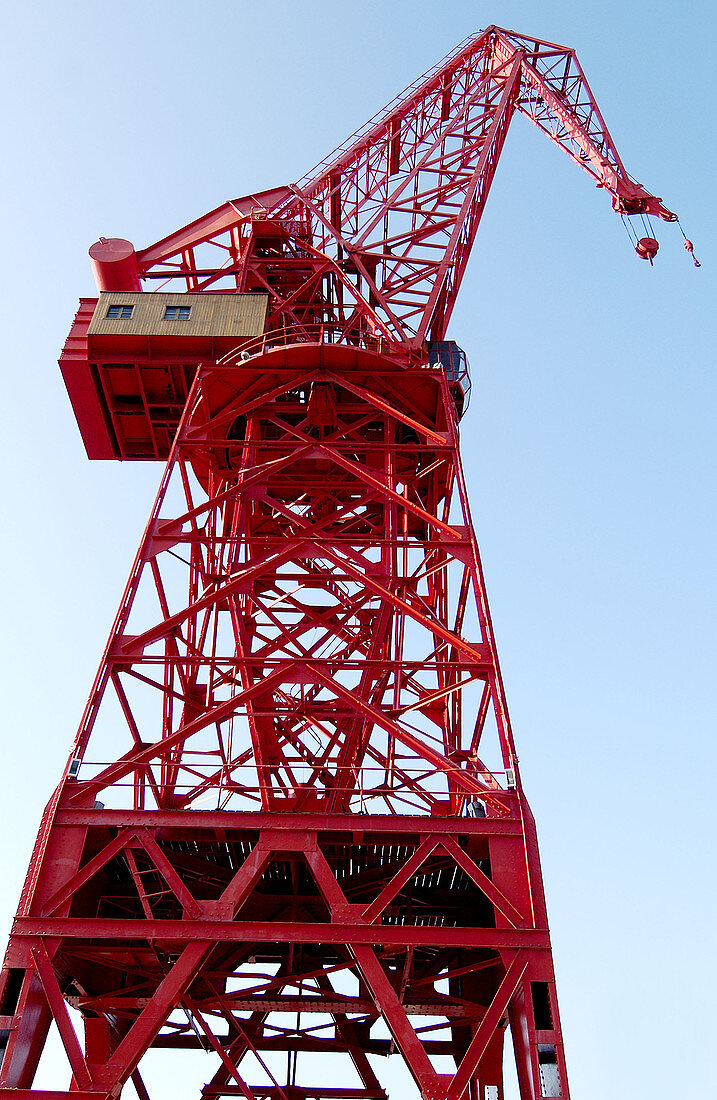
(292,824)
(114,264)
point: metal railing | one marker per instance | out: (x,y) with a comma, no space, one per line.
(325,333)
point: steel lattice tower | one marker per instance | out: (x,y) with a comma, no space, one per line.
(292,822)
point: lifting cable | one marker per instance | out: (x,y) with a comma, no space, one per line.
(629,229)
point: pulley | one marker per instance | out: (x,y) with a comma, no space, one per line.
(647,248)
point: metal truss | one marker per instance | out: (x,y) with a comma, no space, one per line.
(376,238)
(306,615)
(294,788)
(231,922)
(292,824)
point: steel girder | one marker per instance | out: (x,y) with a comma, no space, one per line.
(292,825)
(375,239)
(303,656)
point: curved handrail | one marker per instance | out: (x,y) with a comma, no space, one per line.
(333,334)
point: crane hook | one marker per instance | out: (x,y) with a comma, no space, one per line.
(689,245)
(691,249)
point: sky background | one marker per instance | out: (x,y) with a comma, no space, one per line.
(589,445)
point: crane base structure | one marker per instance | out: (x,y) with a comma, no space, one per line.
(292,832)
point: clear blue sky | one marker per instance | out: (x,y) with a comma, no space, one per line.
(589,446)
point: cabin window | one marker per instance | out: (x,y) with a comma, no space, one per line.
(177,313)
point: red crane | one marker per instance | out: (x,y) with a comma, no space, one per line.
(292,823)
